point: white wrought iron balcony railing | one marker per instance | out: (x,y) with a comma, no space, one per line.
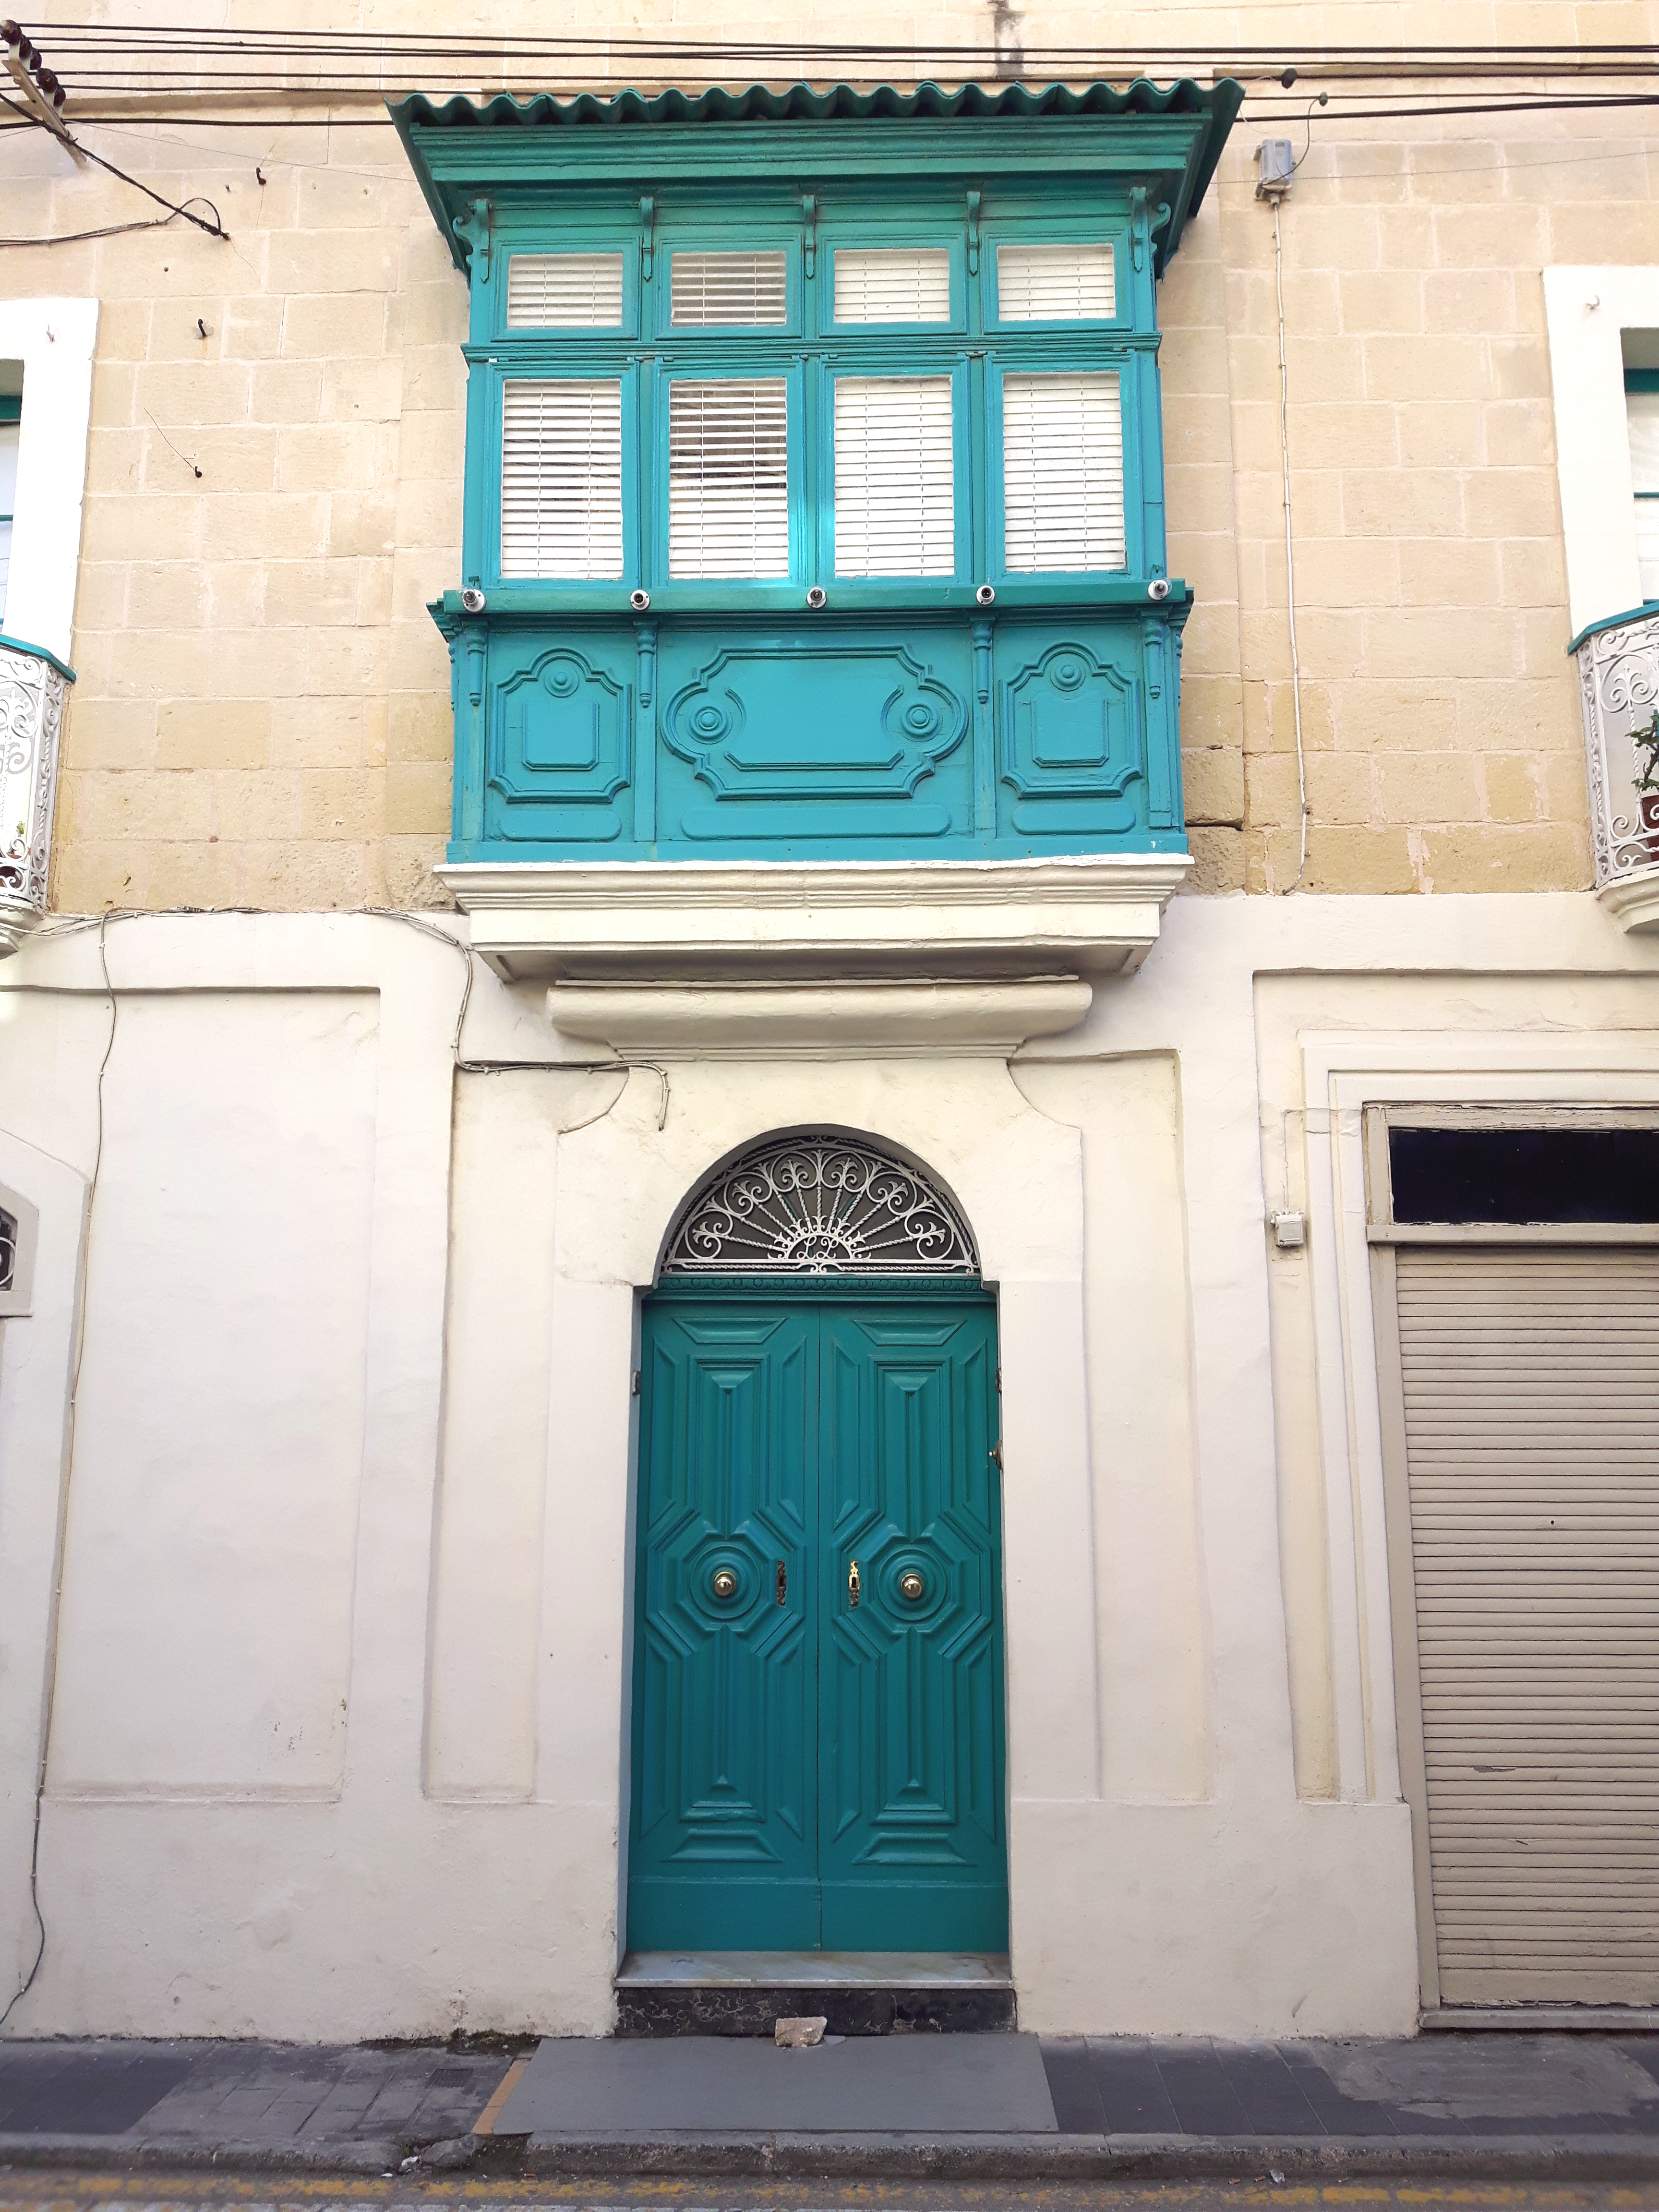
(32,688)
(1619,684)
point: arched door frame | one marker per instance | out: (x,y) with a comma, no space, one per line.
(1017,1178)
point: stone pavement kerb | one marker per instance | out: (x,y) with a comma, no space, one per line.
(1494,2106)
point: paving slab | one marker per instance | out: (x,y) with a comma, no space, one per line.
(715,2085)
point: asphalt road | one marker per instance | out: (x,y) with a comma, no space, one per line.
(42,2191)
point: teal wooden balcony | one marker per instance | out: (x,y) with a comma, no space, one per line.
(718,602)
(748,735)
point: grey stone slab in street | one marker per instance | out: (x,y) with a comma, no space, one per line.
(914,2084)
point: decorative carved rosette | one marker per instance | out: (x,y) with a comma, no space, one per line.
(820,1205)
(1618,690)
(31,717)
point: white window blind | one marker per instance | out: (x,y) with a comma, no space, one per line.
(561,503)
(1056,284)
(893,284)
(714,289)
(1643,409)
(895,511)
(728,477)
(1062,472)
(564,292)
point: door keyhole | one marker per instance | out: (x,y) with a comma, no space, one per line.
(855,1587)
(783,1582)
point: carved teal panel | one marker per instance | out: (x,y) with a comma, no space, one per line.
(780,735)
(560,744)
(1071,742)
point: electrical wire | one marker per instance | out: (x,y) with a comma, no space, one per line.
(50,1704)
(174,208)
(131,117)
(1290,544)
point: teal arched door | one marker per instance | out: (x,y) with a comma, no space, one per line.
(817,1738)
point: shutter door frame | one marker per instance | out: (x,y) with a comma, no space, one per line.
(1402,1603)
(1411,1736)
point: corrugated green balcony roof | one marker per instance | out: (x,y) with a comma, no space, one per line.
(1173,133)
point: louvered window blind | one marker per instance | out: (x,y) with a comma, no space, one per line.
(564,292)
(561,501)
(1062,473)
(895,508)
(743,290)
(1056,283)
(1531,1381)
(728,477)
(893,284)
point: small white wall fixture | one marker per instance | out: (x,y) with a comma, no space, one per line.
(54,340)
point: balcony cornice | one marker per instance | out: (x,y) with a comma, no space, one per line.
(731,958)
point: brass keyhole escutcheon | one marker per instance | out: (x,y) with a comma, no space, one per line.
(724,1583)
(911,1585)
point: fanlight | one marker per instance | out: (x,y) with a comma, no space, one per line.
(820,1205)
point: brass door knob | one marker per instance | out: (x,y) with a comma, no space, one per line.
(724,1583)
(911,1585)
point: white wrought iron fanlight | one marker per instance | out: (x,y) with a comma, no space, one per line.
(820,1205)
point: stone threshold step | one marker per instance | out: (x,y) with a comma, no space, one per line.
(667,1993)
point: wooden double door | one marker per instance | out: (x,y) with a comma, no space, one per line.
(817,1752)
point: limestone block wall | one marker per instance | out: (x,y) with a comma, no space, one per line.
(262,715)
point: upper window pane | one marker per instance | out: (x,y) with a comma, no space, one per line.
(564,292)
(1056,284)
(728,477)
(561,503)
(894,509)
(1472,1175)
(1062,472)
(1644,413)
(893,284)
(727,289)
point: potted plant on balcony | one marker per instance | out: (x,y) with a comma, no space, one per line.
(1644,762)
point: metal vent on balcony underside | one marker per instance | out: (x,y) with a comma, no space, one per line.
(8,1251)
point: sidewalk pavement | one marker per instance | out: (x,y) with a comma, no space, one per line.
(1500,2107)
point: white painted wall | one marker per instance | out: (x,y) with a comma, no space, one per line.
(204,1639)
(1587,311)
(53,338)
(355,1424)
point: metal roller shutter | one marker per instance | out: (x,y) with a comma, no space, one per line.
(1531,1392)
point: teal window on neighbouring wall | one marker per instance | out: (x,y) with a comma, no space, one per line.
(11,412)
(1642,414)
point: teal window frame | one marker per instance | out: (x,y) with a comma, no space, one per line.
(1643,379)
(871,237)
(1053,230)
(901,364)
(974,350)
(580,237)
(706,237)
(589,365)
(709,365)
